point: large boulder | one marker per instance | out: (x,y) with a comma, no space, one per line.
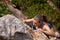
(10,25)
(12,28)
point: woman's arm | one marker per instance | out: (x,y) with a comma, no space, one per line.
(48,31)
(28,20)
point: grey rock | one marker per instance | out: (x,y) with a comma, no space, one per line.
(10,25)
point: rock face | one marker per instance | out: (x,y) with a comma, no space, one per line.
(10,25)
(12,28)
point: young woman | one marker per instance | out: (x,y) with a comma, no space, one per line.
(41,24)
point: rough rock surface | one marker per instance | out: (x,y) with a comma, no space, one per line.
(12,28)
(10,25)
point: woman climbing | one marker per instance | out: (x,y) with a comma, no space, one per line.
(40,23)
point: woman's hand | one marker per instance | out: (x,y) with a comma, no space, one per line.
(39,30)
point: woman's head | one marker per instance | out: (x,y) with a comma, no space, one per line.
(38,20)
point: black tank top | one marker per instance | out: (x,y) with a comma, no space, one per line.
(49,25)
(34,28)
(31,25)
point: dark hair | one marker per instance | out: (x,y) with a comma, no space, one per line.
(39,18)
(44,18)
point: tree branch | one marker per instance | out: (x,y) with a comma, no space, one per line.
(16,12)
(50,2)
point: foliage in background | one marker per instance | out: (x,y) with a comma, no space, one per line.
(4,9)
(57,3)
(34,7)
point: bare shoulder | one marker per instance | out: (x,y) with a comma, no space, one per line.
(46,27)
